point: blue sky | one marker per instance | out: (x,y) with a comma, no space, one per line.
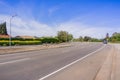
(94,18)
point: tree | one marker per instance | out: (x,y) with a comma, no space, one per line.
(80,38)
(95,40)
(3,30)
(87,38)
(115,37)
(70,37)
(64,36)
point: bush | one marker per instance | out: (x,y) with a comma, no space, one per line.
(21,41)
(6,43)
(49,40)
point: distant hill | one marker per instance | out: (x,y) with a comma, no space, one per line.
(3,30)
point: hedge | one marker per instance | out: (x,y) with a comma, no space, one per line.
(49,40)
(20,41)
(6,43)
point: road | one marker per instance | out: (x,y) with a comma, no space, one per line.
(81,61)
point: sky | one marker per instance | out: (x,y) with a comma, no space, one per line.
(39,18)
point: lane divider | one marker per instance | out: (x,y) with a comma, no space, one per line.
(19,60)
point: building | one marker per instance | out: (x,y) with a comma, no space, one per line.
(25,37)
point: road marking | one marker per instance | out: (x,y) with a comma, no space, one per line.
(14,61)
(71,64)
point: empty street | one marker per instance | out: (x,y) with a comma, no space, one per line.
(81,61)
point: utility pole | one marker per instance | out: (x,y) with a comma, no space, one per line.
(10,39)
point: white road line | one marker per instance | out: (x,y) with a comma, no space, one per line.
(70,64)
(14,61)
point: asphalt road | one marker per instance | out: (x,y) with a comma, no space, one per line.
(49,64)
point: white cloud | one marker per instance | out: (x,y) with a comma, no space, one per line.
(35,28)
(79,29)
(27,27)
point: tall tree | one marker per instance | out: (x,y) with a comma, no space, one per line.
(64,36)
(70,37)
(3,30)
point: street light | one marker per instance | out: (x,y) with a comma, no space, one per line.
(10,29)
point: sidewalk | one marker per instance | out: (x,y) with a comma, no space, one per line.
(110,70)
(117,73)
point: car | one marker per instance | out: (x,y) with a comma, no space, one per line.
(105,41)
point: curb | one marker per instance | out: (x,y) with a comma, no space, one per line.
(36,49)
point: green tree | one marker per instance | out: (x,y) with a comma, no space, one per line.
(87,38)
(115,37)
(64,36)
(3,30)
(80,38)
(69,37)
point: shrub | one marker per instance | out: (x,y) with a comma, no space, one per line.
(6,43)
(49,40)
